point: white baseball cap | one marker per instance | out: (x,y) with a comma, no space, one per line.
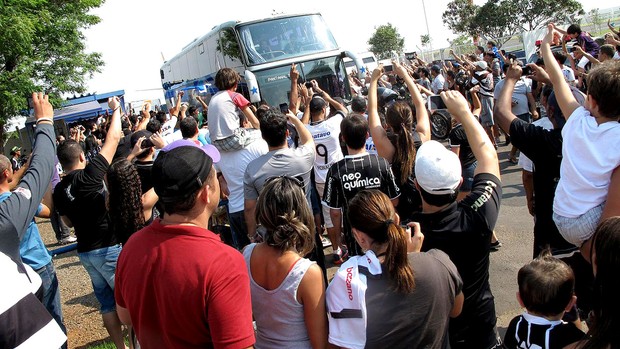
(481,64)
(437,170)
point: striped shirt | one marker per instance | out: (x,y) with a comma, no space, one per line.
(351,175)
(24,321)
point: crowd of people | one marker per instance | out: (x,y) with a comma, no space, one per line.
(410,220)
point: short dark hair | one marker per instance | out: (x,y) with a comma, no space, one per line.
(226,78)
(273,127)
(161,117)
(573,29)
(153,126)
(560,56)
(354,130)
(480,48)
(492,43)
(69,153)
(438,200)
(546,285)
(604,88)
(191,110)
(424,71)
(189,127)
(608,50)
(490,54)
(358,104)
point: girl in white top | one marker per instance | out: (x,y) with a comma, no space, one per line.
(590,151)
(288,291)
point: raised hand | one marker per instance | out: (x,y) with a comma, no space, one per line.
(42,107)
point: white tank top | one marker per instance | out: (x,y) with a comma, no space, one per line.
(279,316)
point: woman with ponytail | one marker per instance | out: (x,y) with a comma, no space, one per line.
(399,146)
(393,295)
(288,291)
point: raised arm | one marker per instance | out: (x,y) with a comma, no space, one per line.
(480,144)
(115,132)
(475,101)
(328,98)
(292,102)
(17,211)
(385,148)
(423,125)
(205,107)
(146,117)
(612,28)
(565,97)
(305,137)
(590,58)
(503,108)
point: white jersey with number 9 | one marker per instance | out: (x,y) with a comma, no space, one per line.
(326,135)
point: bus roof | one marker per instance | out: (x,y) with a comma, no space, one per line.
(230,24)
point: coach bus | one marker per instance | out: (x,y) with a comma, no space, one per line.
(262,52)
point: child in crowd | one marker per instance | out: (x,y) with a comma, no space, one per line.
(546,291)
(590,133)
(225,130)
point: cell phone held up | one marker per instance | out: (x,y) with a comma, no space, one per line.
(284,108)
(435,103)
(526,71)
(388,68)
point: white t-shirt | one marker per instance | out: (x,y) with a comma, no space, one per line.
(569,75)
(589,156)
(438,84)
(519,95)
(524,161)
(223,118)
(168,127)
(233,164)
(326,135)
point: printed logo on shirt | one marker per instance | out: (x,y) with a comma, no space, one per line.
(25,192)
(347,282)
(484,197)
(351,181)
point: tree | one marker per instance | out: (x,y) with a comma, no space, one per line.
(425,40)
(499,18)
(497,21)
(596,19)
(43,48)
(385,40)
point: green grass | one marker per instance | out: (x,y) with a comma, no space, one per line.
(105,345)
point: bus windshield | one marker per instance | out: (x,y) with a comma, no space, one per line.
(329,72)
(283,38)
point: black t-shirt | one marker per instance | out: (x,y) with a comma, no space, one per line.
(540,333)
(544,148)
(458,138)
(351,175)
(80,196)
(144,169)
(409,201)
(463,231)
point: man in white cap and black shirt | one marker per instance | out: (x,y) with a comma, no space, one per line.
(177,283)
(463,229)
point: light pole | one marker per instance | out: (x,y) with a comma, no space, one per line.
(428,32)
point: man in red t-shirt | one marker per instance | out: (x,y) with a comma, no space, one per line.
(176,282)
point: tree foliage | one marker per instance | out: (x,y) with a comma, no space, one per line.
(385,40)
(504,18)
(425,39)
(43,48)
(228,45)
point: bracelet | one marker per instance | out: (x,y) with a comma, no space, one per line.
(115,109)
(44,119)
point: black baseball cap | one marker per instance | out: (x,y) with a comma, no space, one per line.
(181,168)
(139,134)
(317,103)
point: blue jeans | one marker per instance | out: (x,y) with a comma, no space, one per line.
(468,177)
(101,265)
(238,229)
(51,294)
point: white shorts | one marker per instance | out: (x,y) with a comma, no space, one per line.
(579,229)
(327,218)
